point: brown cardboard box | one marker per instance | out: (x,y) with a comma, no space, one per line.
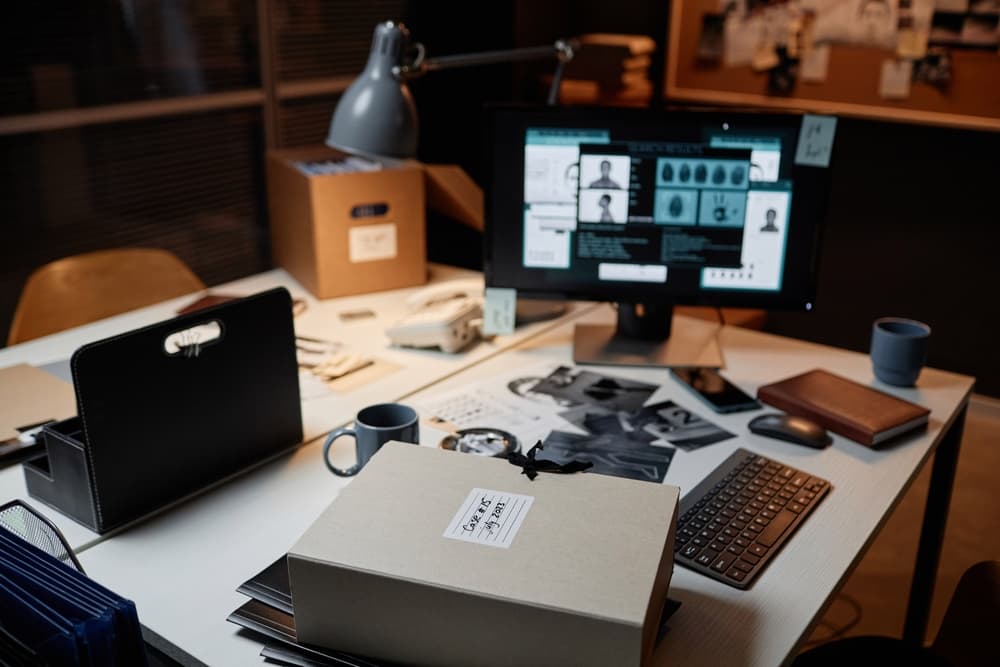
(352,233)
(396,567)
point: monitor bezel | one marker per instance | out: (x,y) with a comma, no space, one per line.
(811,184)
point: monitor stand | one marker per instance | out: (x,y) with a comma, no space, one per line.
(644,336)
(537,310)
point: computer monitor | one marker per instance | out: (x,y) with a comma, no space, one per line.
(654,208)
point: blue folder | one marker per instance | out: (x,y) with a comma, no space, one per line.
(52,614)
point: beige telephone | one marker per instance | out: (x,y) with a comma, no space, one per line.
(448,316)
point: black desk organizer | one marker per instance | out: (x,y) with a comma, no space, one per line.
(155,427)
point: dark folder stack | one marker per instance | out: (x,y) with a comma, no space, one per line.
(51,614)
(270,618)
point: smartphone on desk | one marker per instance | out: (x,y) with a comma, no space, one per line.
(716,391)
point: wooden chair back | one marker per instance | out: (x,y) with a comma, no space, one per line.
(83,288)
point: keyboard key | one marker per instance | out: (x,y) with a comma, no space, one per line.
(803,499)
(799,480)
(795,507)
(706,557)
(741,543)
(698,542)
(738,525)
(743,565)
(735,550)
(690,551)
(757,550)
(736,575)
(765,514)
(761,521)
(717,546)
(776,528)
(749,558)
(722,563)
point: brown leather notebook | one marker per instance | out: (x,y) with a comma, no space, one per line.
(843,406)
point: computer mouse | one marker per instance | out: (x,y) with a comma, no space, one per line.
(789,428)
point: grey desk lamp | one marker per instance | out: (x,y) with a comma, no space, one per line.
(376,115)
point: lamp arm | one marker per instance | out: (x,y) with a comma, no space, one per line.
(562,49)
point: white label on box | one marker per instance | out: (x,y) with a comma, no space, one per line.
(367,243)
(489,517)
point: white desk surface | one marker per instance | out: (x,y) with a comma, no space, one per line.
(182,567)
(320,415)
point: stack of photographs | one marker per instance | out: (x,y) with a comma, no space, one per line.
(623,437)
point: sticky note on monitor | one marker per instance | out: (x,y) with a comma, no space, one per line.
(816,140)
(499,311)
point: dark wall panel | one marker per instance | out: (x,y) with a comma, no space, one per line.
(190,184)
(913,231)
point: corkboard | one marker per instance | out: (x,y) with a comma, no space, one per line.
(851,87)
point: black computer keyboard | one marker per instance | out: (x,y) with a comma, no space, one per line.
(735,521)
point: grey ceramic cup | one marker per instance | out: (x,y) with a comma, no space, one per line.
(899,350)
(373,427)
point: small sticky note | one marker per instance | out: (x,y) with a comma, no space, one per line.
(499,311)
(895,81)
(815,63)
(816,140)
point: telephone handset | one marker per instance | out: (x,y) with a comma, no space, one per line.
(448,316)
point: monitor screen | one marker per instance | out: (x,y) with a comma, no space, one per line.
(646,206)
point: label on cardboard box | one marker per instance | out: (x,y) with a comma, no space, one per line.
(367,243)
(489,517)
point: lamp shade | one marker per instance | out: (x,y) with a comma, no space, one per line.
(376,115)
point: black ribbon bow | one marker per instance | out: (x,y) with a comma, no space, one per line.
(531,466)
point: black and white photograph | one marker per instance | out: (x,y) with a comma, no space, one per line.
(679,426)
(579,386)
(604,172)
(610,454)
(603,206)
(525,388)
(597,420)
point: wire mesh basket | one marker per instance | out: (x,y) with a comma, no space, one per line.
(22,520)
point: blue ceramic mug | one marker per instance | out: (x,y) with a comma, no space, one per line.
(899,350)
(373,427)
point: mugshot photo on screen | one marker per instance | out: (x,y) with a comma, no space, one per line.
(608,206)
(604,172)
